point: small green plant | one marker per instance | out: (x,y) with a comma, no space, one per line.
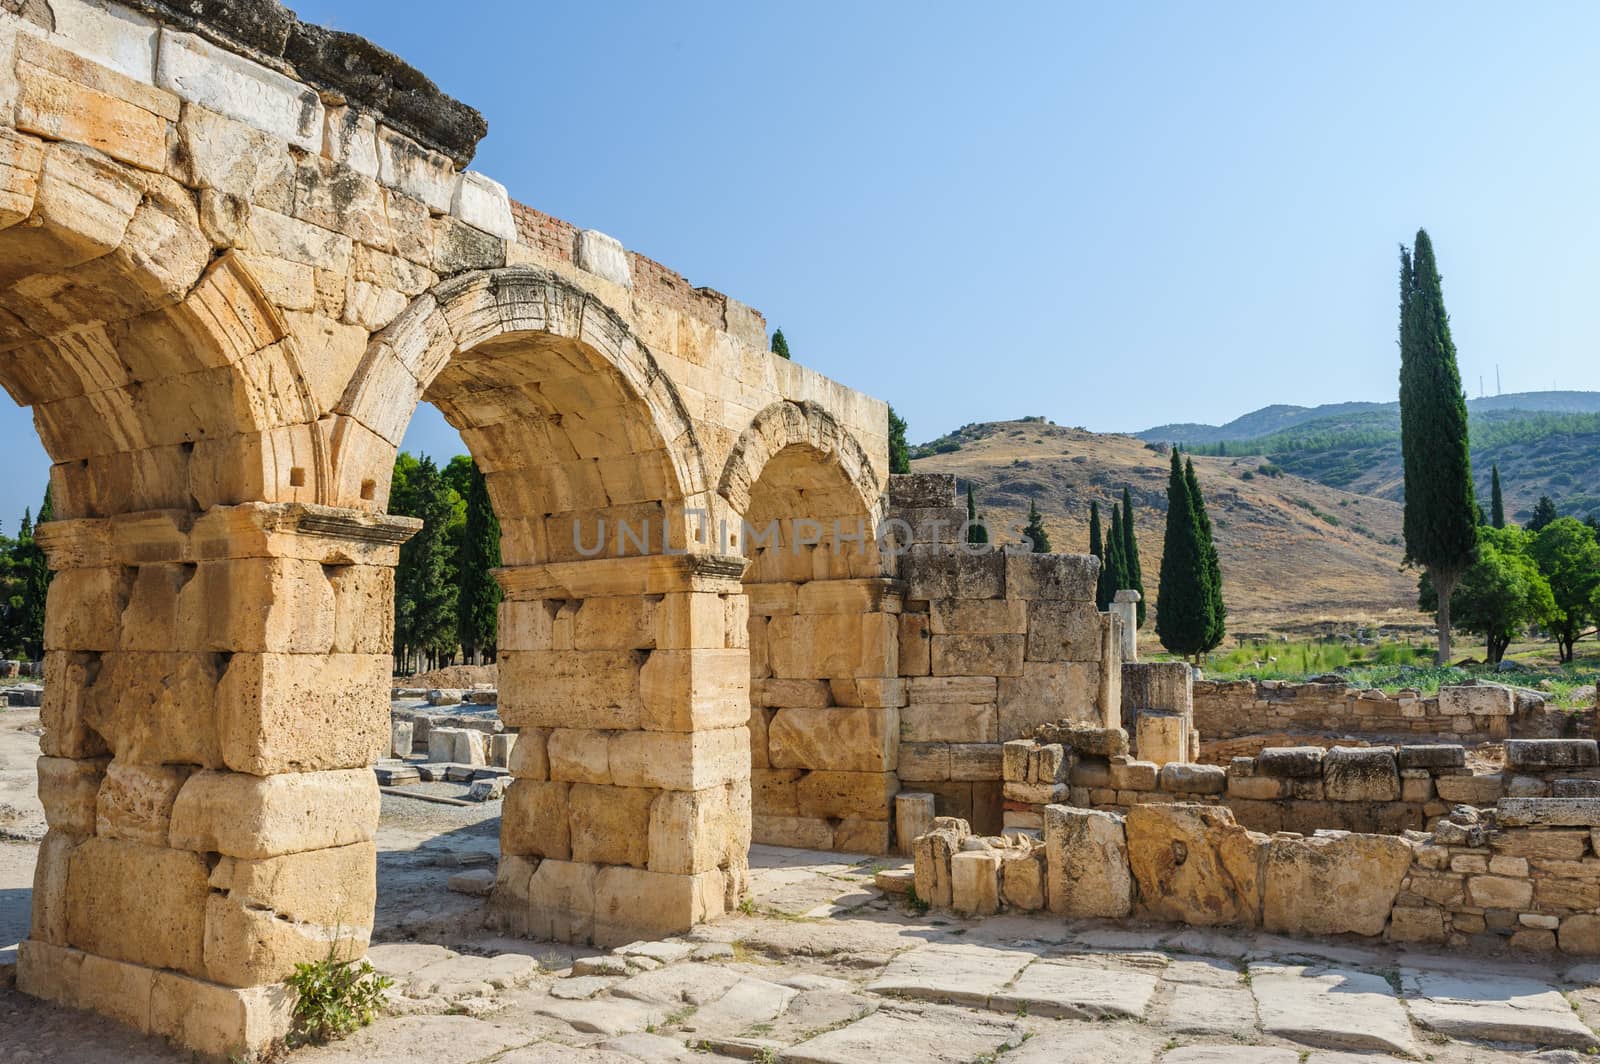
(915,903)
(766,1055)
(747,905)
(335,997)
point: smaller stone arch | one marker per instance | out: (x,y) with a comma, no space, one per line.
(785,424)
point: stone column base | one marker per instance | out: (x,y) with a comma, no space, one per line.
(198,1015)
(606,905)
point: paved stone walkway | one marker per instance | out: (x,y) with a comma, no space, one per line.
(824,969)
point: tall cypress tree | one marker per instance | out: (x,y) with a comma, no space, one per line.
(478,611)
(1097,547)
(1202,519)
(1130,554)
(976,533)
(1035,530)
(1184,602)
(1116,567)
(899,449)
(780,346)
(425,582)
(1440,526)
(1497,503)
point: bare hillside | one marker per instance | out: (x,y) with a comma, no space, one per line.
(1293,551)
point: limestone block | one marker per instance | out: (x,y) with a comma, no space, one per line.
(806,833)
(469,747)
(110,35)
(1053,577)
(610,825)
(300,712)
(557,903)
(1195,865)
(265,916)
(1580,934)
(482,203)
(66,706)
(925,761)
(1181,777)
(934,571)
(1555,845)
(857,835)
(978,655)
(864,795)
(633,903)
(50,887)
(840,739)
(1432,755)
(975,761)
(21,158)
(774,791)
(777,693)
(1130,775)
(288,238)
(570,689)
(246,816)
(1046,692)
(350,138)
(1290,762)
(64,108)
(83,205)
(1063,631)
(154,708)
(535,821)
(934,849)
(135,802)
(116,989)
(250,605)
(1479,700)
(1333,884)
(84,608)
(869,692)
(975,882)
(138,903)
(1416,925)
(232,85)
(68,790)
(442,744)
(1257,788)
(1161,737)
(978,617)
(1551,753)
(1022,879)
(913,814)
(530,757)
(1499,892)
(693,831)
(604,256)
(825,646)
(218,1020)
(915,644)
(501,749)
(946,722)
(49,972)
(1087,863)
(1360,774)
(687,690)
(401,741)
(1468,790)
(679,761)
(953,689)
(1167,686)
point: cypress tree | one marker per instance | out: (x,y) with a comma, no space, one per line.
(1440,530)
(1130,554)
(976,533)
(1219,610)
(424,580)
(478,611)
(1544,512)
(1037,536)
(1116,568)
(1097,548)
(780,346)
(1497,503)
(899,449)
(1184,602)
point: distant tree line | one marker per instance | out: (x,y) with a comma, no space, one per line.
(24,584)
(446,600)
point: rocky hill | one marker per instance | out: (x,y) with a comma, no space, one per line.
(1545,443)
(1294,552)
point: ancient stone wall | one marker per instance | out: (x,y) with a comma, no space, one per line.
(1232,714)
(1520,877)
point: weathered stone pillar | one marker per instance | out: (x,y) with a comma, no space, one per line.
(629,811)
(1126,605)
(217,688)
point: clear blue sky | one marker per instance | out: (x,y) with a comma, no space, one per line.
(1111,215)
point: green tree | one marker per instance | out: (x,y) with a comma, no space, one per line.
(1569,557)
(1037,537)
(35,576)
(1184,601)
(1544,512)
(1440,529)
(1497,502)
(1097,547)
(976,532)
(780,346)
(1500,594)
(899,449)
(1213,563)
(425,581)
(478,609)
(1130,554)
(1114,573)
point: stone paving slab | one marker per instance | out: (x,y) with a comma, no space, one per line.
(604,1016)
(1494,1008)
(747,1003)
(960,975)
(1090,1042)
(408,1039)
(1334,1008)
(1231,1055)
(928,1035)
(1079,992)
(1191,1008)
(680,984)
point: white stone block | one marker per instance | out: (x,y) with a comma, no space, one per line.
(408,167)
(483,203)
(351,138)
(236,87)
(604,256)
(110,35)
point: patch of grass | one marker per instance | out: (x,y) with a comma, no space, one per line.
(334,998)
(917,904)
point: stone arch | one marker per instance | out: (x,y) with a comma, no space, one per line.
(159,377)
(562,406)
(805,425)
